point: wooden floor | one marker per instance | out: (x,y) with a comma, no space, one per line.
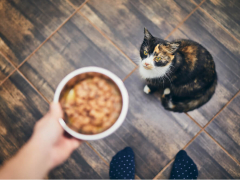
(42,41)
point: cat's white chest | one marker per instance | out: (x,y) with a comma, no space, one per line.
(156,72)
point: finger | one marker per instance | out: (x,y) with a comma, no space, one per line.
(56,110)
(72,143)
(69,143)
(51,119)
(75,143)
(65,148)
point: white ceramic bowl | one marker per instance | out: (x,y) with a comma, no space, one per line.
(124,95)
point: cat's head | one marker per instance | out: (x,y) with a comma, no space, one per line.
(156,54)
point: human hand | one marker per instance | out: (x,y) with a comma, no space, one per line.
(49,133)
(47,148)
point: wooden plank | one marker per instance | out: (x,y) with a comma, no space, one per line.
(154,134)
(83,164)
(5,68)
(77,44)
(26,24)
(123,21)
(8,144)
(226,13)
(76,3)
(226,128)
(198,1)
(211,160)
(225,52)
(166,173)
(20,108)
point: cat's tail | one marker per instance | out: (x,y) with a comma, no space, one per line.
(188,105)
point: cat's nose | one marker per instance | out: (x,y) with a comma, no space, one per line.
(146,64)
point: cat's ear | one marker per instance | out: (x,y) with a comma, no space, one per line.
(172,47)
(147,34)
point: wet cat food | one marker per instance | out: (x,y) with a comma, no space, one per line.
(92,104)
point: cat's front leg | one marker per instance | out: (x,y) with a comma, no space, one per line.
(166,92)
(167,99)
(149,89)
(146,89)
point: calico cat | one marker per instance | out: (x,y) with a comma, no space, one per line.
(182,70)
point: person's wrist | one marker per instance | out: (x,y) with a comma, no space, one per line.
(41,149)
(44,147)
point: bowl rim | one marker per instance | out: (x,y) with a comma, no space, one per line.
(125,102)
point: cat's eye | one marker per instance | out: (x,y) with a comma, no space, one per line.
(157,59)
(145,53)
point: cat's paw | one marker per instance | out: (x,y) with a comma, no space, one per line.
(168,103)
(166,91)
(146,89)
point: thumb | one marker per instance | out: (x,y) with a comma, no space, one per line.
(55,110)
(54,114)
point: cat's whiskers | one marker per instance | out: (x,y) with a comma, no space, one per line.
(166,75)
(163,81)
(169,80)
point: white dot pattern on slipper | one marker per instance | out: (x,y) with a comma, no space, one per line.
(122,166)
(184,168)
